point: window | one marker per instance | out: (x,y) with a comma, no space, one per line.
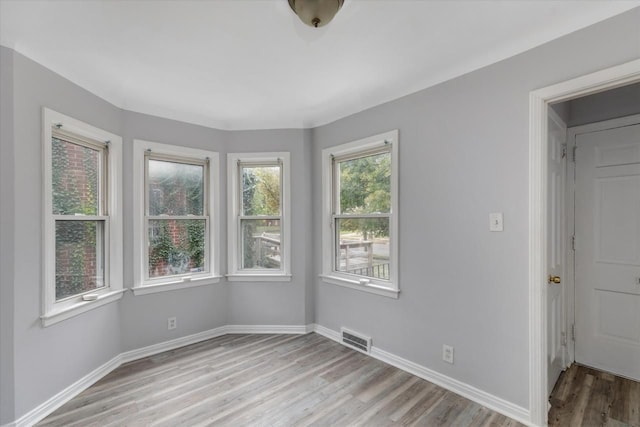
(176,221)
(360,202)
(259,216)
(82,217)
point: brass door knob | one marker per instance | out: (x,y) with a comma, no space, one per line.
(554,279)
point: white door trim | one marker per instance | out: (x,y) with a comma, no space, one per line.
(539,101)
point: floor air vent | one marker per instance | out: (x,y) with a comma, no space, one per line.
(355,340)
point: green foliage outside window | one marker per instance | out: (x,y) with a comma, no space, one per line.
(365,188)
(75,192)
(176,246)
(260,197)
(75,185)
(261,190)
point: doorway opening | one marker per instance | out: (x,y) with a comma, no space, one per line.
(599,292)
(602,125)
(541,221)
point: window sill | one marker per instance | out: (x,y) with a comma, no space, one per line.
(354,284)
(174,285)
(56,316)
(239,277)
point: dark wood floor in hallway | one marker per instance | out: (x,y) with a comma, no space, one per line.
(587,397)
(268,380)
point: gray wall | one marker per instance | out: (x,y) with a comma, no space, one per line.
(563,109)
(463,154)
(611,104)
(46,360)
(197,309)
(278,303)
(307,234)
(6,236)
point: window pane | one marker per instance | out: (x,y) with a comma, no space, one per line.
(365,184)
(363,247)
(261,190)
(261,244)
(79,257)
(176,247)
(175,188)
(75,170)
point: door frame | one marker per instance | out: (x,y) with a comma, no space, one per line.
(539,101)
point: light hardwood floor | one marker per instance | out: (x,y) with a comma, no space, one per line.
(586,397)
(268,380)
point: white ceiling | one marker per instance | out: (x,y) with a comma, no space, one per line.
(236,64)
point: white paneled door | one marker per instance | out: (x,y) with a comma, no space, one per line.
(556,248)
(607,221)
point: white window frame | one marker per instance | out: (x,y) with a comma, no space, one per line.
(235,272)
(56,311)
(142,284)
(389,288)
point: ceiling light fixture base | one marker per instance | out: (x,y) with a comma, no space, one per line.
(316,13)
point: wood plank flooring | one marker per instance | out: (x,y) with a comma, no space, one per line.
(587,397)
(268,380)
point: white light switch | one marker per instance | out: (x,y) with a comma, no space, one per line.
(496,222)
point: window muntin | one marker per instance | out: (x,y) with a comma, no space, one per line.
(176,216)
(259,224)
(79,213)
(362,206)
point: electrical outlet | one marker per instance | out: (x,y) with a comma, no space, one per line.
(172,323)
(447,353)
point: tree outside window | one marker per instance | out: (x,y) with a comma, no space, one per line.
(362,214)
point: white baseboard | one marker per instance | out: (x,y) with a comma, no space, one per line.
(474,394)
(139,353)
(44,409)
(328,333)
(267,329)
(41,411)
(483,398)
